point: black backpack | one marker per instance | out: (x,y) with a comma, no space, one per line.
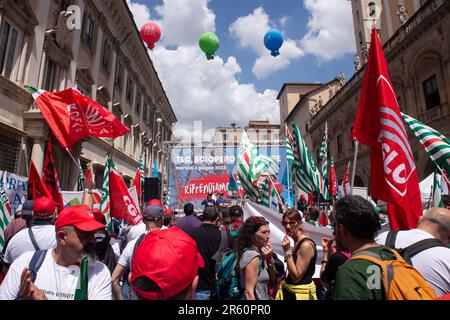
(223,251)
(410,251)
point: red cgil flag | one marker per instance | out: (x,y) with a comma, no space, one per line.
(379,124)
(346,181)
(323,219)
(137,182)
(50,178)
(72,116)
(36,188)
(333,183)
(122,205)
(89,175)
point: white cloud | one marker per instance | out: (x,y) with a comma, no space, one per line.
(182,22)
(208,91)
(250,31)
(330,29)
(202,90)
(140,12)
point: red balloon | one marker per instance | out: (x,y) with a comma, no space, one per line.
(150,33)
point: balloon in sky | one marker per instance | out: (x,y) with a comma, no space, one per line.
(209,43)
(150,33)
(273,40)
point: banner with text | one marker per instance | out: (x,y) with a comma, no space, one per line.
(194,171)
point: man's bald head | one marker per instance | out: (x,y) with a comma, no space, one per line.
(439,220)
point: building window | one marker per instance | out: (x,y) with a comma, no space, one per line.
(431,92)
(129,89)
(98,172)
(119,76)
(8,44)
(50,75)
(83,90)
(106,57)
(339,144)
(138,104)
(9,153)
(89,31)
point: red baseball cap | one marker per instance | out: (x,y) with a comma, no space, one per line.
(44,208)
(80,217)
(155,202)
(159,257)
(98,215)
(169,211)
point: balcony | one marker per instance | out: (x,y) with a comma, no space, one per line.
(435,113)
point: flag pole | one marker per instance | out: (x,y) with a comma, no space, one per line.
(77,164)
(289,185)
(441,172)
(354,165)
(276,191)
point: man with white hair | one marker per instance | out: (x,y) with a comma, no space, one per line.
(427,247)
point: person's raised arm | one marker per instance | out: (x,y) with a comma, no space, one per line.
(88,199)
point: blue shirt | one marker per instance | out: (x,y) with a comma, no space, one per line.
(188,223)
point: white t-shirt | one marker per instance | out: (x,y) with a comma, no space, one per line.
(433,263)
(136,231)
(57,282)
(127,254)
(44,235)
(115,245)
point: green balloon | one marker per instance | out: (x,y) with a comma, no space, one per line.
(209,43)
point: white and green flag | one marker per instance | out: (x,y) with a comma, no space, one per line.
(439,188)
(246,167)
(323,153)
(289,147)
(436,145)
(307,175)
(105,200)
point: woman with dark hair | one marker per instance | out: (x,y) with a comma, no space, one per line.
(255,261)
(300,260)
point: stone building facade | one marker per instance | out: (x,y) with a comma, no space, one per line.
(418,56)
(103,56)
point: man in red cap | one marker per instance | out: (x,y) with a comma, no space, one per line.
(156,272)
(302,204)
(67,272)
(153,219)
(41,234)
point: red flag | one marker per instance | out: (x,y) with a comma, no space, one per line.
(36,188)
(379,124)
(137,182)
(89,175)
(51,177)
(333,184)
(323,219)
(121,202)
(346,182)
(72,116)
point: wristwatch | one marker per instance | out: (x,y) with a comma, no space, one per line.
(323,261)
(88,190)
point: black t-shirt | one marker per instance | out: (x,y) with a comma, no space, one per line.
(208,238)
(335,260)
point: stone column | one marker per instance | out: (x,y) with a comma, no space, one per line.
(37,152)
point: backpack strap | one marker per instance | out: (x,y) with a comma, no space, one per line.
(33,240)
(391,238)
(420,246)
(223,244)
(35,263)
(138,242)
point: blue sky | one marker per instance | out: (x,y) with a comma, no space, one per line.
(242,82)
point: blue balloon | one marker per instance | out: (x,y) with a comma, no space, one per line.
(273,40)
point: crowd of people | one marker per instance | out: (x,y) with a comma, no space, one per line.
(73,256)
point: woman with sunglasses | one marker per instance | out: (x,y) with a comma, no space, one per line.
(300,260)
(254,260)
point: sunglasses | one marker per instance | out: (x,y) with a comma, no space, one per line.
(285,223)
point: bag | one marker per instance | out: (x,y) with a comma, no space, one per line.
(400,280)
(223,250)
(227,285)
(410,251)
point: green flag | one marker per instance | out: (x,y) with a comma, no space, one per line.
(105,202)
